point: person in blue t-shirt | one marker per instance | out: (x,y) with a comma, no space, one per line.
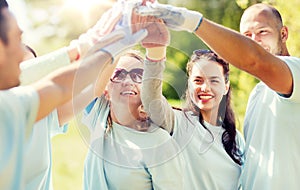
(127,150)
(22,106)
(271,122)
(38,153)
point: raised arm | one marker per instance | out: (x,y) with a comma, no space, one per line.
(247,55)
(67,111)
(57,88)
(35,69)
(155,104)
(237,49)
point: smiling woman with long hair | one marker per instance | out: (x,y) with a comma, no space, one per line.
(205,128)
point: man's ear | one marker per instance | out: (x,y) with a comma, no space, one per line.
(284,33)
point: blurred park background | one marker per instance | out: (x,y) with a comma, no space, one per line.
(51,24)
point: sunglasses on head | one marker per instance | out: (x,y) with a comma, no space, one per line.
(120,75)
(200,52)
(210,55)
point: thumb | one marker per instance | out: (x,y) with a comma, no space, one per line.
(107,40)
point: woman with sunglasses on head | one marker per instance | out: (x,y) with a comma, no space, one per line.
(127,151)
(205,129)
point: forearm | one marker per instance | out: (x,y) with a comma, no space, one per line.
(229,43)
(35,69)
(60,86)
(70,109)
(155,104)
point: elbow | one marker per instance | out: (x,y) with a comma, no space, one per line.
(254,62)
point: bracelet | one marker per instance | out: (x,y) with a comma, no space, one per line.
(154,60)
(199,23)
(107,52)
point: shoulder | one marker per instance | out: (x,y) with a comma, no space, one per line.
(18,110)
(293,63)
(294,66)
(96,112)
(19,100)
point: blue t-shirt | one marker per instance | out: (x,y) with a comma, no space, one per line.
(271,130)
(18,113)
(208,165)
(38,154)
(38,159)
(124,158)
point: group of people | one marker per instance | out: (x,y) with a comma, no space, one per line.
(137,140)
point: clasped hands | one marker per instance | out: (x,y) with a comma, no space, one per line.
(134,21)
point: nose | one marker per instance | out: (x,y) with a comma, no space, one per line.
(205,87)
(128,80)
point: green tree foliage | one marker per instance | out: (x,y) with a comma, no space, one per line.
(290,12)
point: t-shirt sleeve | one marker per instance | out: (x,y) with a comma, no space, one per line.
(96,111)
(24,100)
(294,66)
(53,123)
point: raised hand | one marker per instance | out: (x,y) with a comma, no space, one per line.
(116,47)
(176,18)
(158,34)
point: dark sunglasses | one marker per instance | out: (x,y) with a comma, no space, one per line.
(120,75)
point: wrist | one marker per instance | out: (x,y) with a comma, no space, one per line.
(193,22)
(156,54)
(108,54)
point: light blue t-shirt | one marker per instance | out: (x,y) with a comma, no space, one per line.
(38,159)
(18,113)
(208,165)
(272,133)
(124,158)
(38,154)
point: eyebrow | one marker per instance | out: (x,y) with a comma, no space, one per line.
(210,77)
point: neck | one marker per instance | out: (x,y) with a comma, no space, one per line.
(210,117)
(285,52)
(128,117)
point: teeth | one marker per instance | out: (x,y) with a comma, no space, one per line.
(128,93)
(205,97)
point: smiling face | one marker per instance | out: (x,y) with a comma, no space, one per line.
(125,93)
(263,25)
(207,85)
